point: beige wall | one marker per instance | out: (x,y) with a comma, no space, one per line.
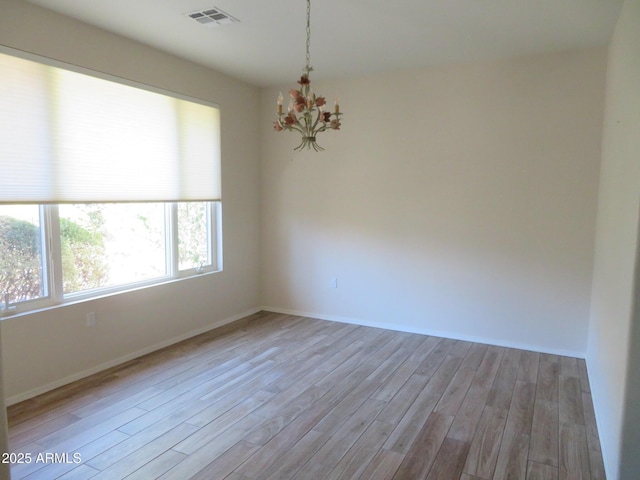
(458,201)
(44,349)
(613,354)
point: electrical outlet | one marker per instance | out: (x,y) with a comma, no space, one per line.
(334,282)
(91,319)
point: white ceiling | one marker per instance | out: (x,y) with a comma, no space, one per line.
(350,37)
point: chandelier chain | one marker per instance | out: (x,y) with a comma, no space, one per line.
(308,67)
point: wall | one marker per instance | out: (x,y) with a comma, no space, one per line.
(458,201)
(613,353)
(42,350)
(5,468)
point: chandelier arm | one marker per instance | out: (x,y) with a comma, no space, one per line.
(319,116)
(297,128)
(308,119)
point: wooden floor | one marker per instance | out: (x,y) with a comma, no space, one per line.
(291,397)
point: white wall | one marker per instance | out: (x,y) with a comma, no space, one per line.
(44,349)
(613,354)
(458,201)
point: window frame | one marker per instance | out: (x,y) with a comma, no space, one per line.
(51,254)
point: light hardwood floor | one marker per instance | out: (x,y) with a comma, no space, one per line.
(280,396)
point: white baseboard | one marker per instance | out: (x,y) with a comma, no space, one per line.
(424,331)
(388,326)
(117,361)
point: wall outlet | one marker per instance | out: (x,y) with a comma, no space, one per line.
(334,282)
(91,319)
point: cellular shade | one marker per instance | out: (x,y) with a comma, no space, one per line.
(70,137)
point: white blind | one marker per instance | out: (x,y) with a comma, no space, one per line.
(70,137)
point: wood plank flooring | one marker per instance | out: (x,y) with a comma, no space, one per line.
(286,397)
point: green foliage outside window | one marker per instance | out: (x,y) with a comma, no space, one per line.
(21,263)
(192,234)
(83,260)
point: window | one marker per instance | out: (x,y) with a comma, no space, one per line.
(50,254)
(106,184)
(22,270)
(104,245)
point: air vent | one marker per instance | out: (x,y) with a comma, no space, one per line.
(212,17)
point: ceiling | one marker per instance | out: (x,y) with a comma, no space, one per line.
(350,37)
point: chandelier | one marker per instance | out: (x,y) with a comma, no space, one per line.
(307,112)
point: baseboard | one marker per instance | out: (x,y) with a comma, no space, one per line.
(117,361)
(388,326)
(433,333)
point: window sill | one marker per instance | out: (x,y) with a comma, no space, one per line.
(46,305)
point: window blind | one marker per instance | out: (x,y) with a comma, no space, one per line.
(70,137)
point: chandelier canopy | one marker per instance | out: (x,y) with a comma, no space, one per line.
(307,112)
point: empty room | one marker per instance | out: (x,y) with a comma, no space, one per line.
(319,239)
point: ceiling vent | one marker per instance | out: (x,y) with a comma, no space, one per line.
(212,17)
